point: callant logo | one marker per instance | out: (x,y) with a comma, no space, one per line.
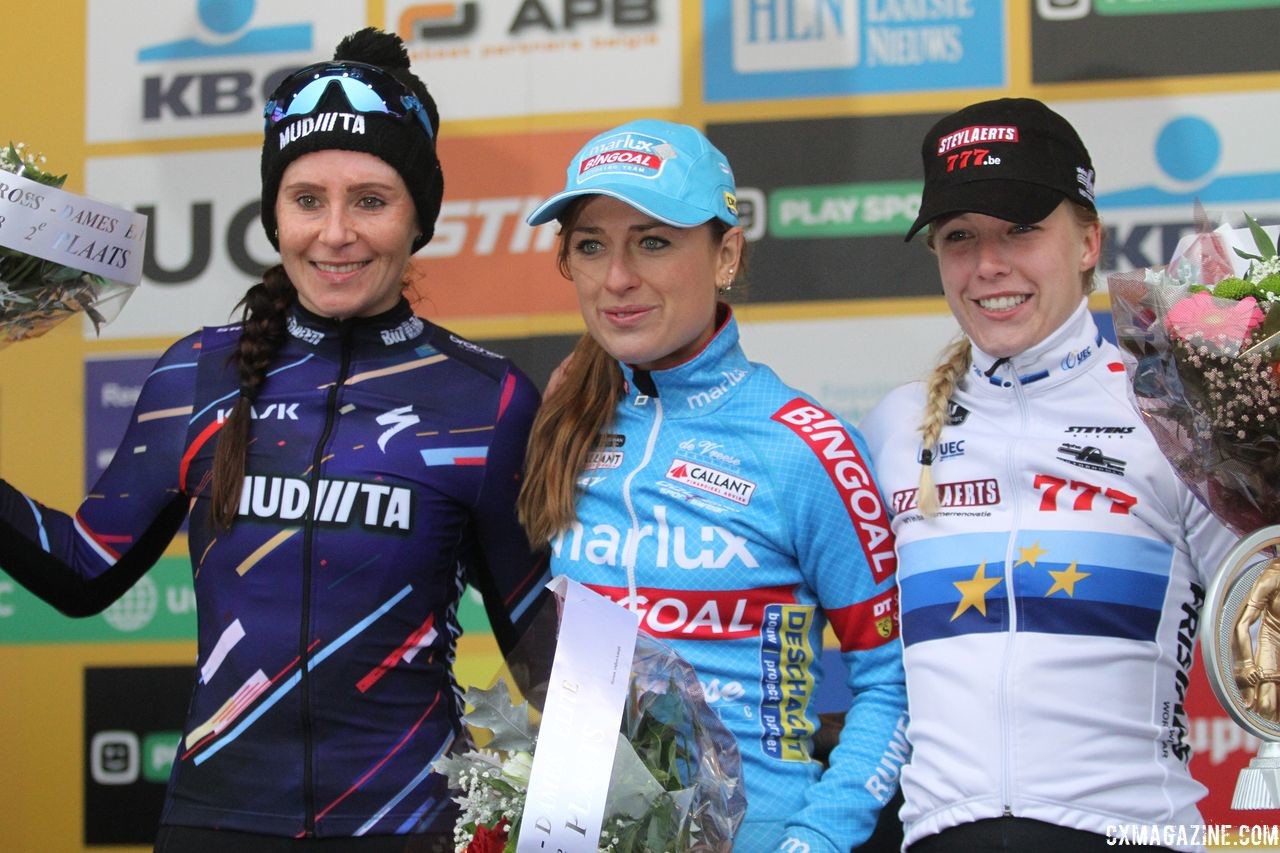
(597,459)
(710,480)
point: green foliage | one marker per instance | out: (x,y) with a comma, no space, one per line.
(494,711)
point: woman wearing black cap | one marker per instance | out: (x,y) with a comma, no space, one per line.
(1051,564)
(346,469)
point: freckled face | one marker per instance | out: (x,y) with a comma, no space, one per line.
(1011,285)
(647,290)
(346,225)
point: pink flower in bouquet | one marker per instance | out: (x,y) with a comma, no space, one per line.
(489,839)
(1201,318)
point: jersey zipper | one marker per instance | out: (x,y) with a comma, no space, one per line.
(308,532)
(633,538)
(1006,670)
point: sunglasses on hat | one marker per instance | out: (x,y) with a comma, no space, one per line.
(367,88)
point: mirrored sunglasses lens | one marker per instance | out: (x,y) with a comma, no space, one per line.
(358,94)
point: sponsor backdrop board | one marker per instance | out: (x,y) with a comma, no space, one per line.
(1154,39)
(508,58)
(820,104)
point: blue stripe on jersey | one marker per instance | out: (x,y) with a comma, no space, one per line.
(1089,584)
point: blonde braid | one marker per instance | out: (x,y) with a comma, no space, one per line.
(940,386)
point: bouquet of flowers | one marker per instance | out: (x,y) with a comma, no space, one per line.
(1201,341)
(49,273)
(676,782)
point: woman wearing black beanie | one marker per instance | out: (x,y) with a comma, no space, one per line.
(346,468)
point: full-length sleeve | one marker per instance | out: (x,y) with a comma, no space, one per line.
(80,563)
(846,552)
(510,575)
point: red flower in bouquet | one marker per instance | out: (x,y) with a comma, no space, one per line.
(1222,323)
(489,839)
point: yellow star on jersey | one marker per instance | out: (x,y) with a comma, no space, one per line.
(973,592)
(1066,580)
(1030,555)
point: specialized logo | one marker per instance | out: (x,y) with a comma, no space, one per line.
(606,545)
(964,493)
(395,421)
(699,614)
(834,447)
(321,123)
(1091,458)
(976,134)
(633,153)
(710,480)
(715,392)
(334,502)
(786,677)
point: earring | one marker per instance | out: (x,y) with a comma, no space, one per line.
(728,284)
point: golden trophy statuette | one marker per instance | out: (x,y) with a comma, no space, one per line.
(1241,645)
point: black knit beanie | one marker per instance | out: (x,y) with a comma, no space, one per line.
(402,143)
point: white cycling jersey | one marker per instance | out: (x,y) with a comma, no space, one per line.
(1049,609)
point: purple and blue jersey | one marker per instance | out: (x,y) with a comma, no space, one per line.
(384,461)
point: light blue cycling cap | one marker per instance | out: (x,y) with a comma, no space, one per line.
(669,171)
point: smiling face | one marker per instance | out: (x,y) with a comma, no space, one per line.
(346,226)
(1010,285)
(647,290)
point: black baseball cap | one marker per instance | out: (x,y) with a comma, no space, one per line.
(1011,158)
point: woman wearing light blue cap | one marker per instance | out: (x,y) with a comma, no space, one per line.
(735,514)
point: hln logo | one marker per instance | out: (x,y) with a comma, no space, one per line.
(795,35)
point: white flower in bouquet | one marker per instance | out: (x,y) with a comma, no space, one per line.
(36,293)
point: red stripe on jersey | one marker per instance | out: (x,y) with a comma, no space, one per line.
(867,624)
(203,437)
(700,614)
(834,447)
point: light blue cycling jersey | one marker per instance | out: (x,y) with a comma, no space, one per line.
(739,517)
